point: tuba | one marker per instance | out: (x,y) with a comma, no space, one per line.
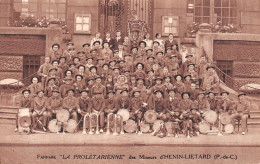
(97,122)
(84,123)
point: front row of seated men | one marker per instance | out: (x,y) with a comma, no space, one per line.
(184,113)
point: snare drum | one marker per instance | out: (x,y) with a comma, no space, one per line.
(204,127)
(211,116)
(130,126)
(150,116)
(53,126)
(71,126)
(124,113)
(63,115)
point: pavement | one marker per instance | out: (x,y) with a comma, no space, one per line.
(9,138)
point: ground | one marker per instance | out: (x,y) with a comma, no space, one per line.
(37,145)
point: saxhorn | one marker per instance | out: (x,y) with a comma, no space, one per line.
(84,123)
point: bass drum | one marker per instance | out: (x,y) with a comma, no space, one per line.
(63,115)
(150,116)
(53,126)
(130,126)
(157,124)
(71,126)
(204,127)
(144,127)
(124,113)
(224,118)
(229,128)
(211,116)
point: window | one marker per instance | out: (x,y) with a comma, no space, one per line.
(40,8)
(170,24)
(210,11)
(54,9)
(82,23)
(226,11)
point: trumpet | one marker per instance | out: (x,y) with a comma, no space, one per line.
(84,123)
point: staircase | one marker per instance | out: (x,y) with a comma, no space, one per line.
(8,114)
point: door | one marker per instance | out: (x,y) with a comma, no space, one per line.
(31,64)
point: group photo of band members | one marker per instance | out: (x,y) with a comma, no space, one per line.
(115,86)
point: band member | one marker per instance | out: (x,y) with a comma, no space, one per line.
(158,85)
(150,79)
(54,104)
(141,87)
(225,104)
(211,79)
(82,57)
(213,102)
(86,47)
(179,84)
(158,104)
(202,103)
(98,107)
(34,87)
(55,54)
(79,85)
(44,69)
(63,65)
(124,102)
(65,87)
(26,101)
(170,42)
(184,66)
(53,74)
(241,111)
(69,52)
(136,112)
(196,119)
(85,103)
(98,88)
(39,109)
(50,87)
(106,52)
(172,103)
(110,102)
(71,104)
(110,40)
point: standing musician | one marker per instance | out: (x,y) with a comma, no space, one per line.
(71,104)
(241,111)
(26,101)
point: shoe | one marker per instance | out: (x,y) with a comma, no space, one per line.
(176,136)
(188,136)
(198,133)
(243,133)
(16,129)
(101,130)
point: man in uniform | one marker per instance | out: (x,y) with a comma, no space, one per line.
(71,104)
(98,107)
(44,69)
(54,103)
(26,101)
(98,88)
(240,112)
(158,104)
(211,79)
(85,103)
(54,54)
(65,87)
(39,109)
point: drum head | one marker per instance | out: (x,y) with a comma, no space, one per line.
(144,127)
(169,127)
(63,115)
(211,117)
(53,126)
(124,113)
(225,118)
(130,126)
(24,112)
(71,126)
(157,124)
(25,121)
(204,127)
(150,116)
(229,128)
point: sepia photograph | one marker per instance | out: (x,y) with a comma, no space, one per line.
(130,81)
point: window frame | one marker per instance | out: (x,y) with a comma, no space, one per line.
(177,25)
(82,32)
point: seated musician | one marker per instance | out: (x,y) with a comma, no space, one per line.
(185,106)
(158,104)
(25,102)
(124,102)
(54,103)
(65,87)
(85,103)
(202,103)
(196,119)
(210,79)
(70,103)
(110,104)
(225,104)
(212,101)
(241,111)
(39,109)
(98,107)
(137,108)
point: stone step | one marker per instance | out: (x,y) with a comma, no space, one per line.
(7,121)
(8,115)
(254,113)
(8,109)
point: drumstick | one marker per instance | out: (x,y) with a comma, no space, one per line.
(77,125)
